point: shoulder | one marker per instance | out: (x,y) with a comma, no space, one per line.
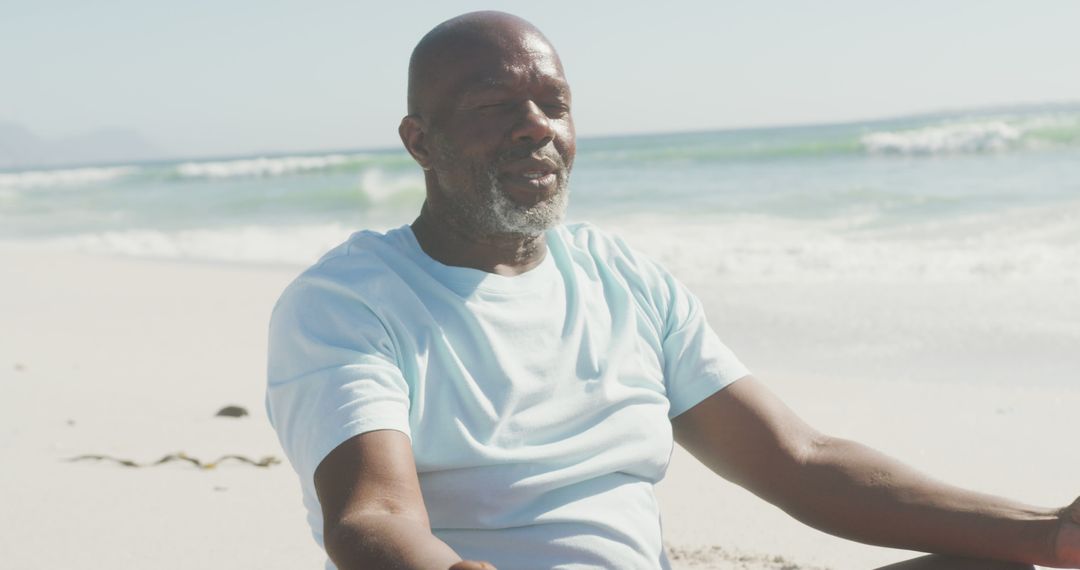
(589,236)
(607,258)
(362,268)
(611,253)
(364,256)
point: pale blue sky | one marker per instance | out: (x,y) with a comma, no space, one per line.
(234,76)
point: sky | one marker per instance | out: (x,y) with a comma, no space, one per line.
(201,78)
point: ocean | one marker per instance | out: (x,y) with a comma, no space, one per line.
(961,196)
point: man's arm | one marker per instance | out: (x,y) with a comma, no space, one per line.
(373,512)
(747,435)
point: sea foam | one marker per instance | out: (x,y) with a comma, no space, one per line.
(292,245)
(994,136)
(1041,244)
(66,177)
(262,166)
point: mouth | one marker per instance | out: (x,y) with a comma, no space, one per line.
(537,176)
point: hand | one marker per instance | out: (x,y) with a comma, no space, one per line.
(472,565)
(1067,541)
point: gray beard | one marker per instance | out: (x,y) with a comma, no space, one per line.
(488,211)
(498,214)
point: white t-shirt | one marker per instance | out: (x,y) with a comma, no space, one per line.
(538,405)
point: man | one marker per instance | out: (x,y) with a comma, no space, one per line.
(489,387)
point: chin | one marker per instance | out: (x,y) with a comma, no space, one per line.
(532,220)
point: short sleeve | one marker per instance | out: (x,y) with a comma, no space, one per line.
(332,372)
(696,363)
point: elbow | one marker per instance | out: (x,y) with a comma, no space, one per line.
(341,542)
(353,544)
(811,448)
(792,471)
(376,541)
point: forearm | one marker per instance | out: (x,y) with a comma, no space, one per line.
(850,490)
(386,541)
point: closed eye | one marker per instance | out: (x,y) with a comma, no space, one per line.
(556,109)
(494,106)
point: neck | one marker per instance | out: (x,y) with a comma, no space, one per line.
(502,254)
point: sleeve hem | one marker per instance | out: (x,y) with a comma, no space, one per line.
(350,430)
(703,389)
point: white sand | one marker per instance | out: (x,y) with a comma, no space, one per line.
(976,384)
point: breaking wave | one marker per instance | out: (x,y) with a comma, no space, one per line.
(293,245)
(994,136)
(67,177)
(224,169)
(925,136)
(263,166)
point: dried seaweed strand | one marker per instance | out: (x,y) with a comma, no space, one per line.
(181,456)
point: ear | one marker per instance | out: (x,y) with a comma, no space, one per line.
(411,131)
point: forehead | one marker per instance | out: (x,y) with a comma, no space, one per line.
(518,61)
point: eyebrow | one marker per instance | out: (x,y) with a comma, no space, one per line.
(494,84)
(485,85)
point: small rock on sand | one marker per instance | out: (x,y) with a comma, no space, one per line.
(232,412)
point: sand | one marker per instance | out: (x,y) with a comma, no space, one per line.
(974,382)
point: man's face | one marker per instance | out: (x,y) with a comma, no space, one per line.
(502,139)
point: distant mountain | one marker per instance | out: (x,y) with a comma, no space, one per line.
(20,148)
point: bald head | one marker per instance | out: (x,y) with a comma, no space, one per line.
(476,35)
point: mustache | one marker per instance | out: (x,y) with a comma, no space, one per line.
(543,152)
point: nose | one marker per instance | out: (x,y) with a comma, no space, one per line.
(534,125)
